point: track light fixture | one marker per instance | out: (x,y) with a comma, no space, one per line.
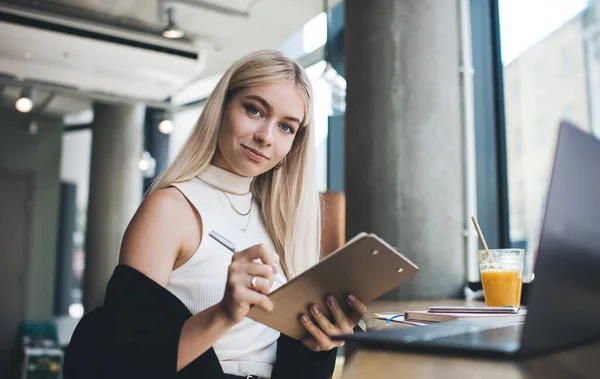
(172,31)
(24,103)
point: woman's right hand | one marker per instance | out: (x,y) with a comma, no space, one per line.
(248,283)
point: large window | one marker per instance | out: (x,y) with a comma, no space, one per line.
(321,121)
(549,58)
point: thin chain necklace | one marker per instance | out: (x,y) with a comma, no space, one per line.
(233,207)
(247,221)
(229,200)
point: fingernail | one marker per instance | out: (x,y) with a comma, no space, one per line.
(331,301)
(351,299)
(276,268)
(304,318)
(315,309)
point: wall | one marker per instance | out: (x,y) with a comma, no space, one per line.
(39,154)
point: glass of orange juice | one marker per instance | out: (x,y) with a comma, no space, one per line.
(501,276)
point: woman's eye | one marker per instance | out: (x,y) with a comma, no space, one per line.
(286,128)
(253,110)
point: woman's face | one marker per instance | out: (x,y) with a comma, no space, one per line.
(258,128)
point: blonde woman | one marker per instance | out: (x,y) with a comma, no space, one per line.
(175,305)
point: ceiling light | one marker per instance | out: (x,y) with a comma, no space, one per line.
(172,30)
(147,165)
(144,164)
(24,103)
(165,118)
(166,126)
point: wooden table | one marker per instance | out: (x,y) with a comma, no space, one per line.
(581,362)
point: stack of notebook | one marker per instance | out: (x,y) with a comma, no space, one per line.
(426,317)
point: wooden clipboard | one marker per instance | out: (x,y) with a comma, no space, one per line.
(366,266)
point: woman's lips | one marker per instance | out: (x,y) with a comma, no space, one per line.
(253,155)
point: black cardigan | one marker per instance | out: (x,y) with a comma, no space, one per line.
(135,334)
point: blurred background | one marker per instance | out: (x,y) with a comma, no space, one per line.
(425,112)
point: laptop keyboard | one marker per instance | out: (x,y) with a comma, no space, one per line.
(438,331)
(506,338)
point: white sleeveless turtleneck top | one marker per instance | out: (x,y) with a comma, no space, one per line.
(249,347)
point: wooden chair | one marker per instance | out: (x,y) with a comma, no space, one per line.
(333,221)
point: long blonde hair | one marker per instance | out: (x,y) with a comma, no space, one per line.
(287,196)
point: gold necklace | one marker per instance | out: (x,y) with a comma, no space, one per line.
(247,221)
(229,200)
(217,190)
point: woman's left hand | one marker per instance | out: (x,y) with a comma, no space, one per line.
(320,333)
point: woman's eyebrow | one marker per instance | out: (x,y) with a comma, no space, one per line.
(262,101)
(266,104)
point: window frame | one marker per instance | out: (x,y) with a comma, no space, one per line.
(490,124)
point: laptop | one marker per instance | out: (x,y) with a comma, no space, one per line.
(564,302)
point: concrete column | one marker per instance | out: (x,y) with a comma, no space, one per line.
(115,191)
(404,175)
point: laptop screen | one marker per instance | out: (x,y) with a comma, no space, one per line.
(564,303)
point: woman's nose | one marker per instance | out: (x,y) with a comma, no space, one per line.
(264,135)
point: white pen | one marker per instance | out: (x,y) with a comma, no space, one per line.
(222,240)
(231,246)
